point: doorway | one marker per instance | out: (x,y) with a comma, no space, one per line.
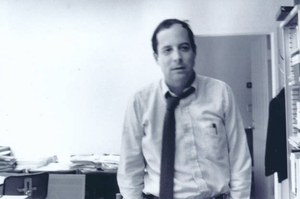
(244,63)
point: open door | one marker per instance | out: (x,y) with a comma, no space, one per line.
(261,96)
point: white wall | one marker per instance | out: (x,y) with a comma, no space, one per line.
(68,67)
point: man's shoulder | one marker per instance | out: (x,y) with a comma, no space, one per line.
(210,81)
(145,91)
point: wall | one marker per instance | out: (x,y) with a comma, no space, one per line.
(228,58)
(68,67)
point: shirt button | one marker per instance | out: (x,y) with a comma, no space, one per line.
(193,154)
(197,174)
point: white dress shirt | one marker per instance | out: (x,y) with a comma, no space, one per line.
(212,155)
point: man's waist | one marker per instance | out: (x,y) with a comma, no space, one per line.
(222,196)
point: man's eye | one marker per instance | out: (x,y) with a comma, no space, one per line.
(167,50)
(184,48)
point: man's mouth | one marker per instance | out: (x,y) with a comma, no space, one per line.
(179,68)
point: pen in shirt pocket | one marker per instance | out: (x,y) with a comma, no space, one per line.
(215,127)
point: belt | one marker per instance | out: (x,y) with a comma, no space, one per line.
(222,196)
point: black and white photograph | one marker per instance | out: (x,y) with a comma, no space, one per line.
(149,99)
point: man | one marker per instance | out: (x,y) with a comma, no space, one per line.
(212,159)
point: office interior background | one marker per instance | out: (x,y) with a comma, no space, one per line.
(68,68)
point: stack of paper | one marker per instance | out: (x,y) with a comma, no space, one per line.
(7,160)
(85,161)
(110,161)
(95,162)
(34,163)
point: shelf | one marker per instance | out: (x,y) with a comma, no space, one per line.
(293,141)
(296,127)
(295,52)
(295,86)
(296,64)
(291,44)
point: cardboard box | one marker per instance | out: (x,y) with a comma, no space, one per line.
(66,186)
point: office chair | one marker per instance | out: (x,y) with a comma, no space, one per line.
(35,186)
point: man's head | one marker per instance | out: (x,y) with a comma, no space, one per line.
(175,51)
(167,24)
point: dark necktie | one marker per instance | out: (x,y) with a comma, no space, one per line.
(168,147)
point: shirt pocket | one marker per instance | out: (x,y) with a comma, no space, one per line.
(215,144)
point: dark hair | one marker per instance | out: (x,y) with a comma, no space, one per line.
(167,24)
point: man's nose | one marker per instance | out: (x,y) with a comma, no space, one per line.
(177,56)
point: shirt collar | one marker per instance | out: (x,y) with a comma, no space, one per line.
(165,88)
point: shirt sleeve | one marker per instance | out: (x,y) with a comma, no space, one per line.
(131,167)
(239,155)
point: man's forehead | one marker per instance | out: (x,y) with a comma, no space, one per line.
(174,34)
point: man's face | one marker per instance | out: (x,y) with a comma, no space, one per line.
(175,55)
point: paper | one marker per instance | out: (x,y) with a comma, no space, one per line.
(2,178)
(54,167)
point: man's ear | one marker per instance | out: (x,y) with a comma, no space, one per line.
(155,55)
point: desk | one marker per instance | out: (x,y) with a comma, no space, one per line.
(98,184)
(101,184)
(64,186)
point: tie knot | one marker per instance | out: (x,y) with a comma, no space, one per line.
(187,93)
(172,102)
